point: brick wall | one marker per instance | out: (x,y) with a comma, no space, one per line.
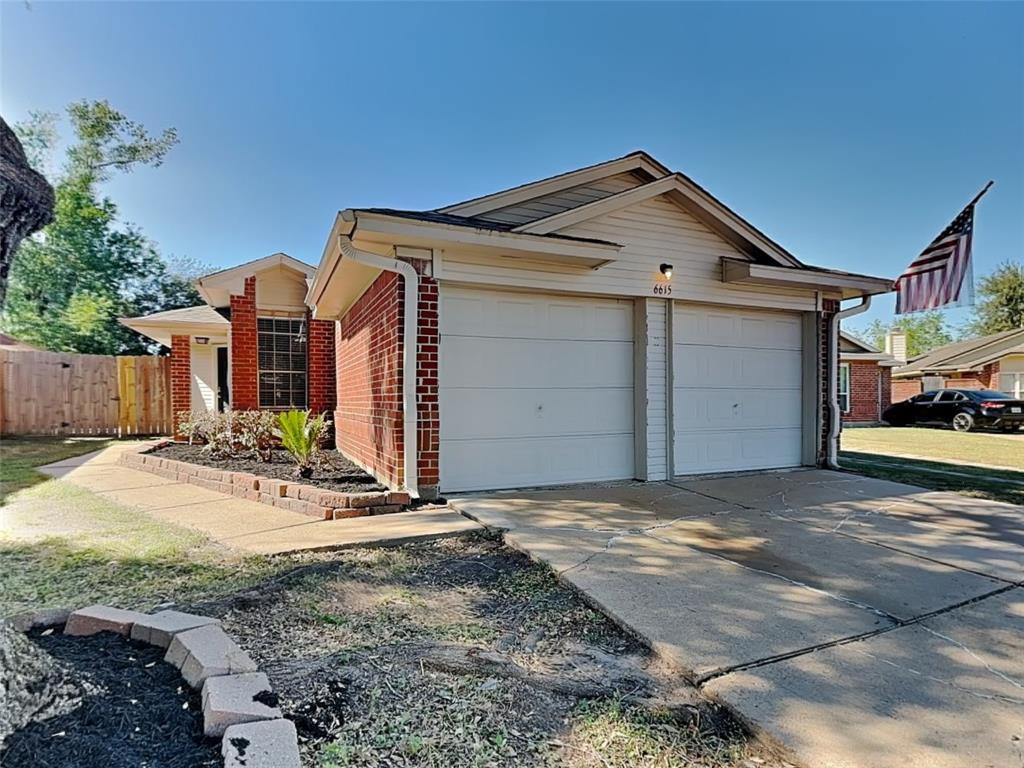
(904,389)
(181,376)
(829,307)
(322,388)
(368,414)
(428,414)
(244,383)
(866,385)
(986,378)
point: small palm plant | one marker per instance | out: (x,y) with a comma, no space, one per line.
(301,436)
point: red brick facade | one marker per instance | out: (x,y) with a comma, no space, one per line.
(829,307)
(244,382)
(369,357)
(322,389)
(181,376)
(904,389)
(368,415)
(869,391)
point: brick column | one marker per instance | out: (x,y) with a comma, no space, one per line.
(244,385)
(829,307)
(321,365)
(428,413)
(181,377)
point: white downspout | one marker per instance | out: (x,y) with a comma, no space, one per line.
(832,441)
(411,282)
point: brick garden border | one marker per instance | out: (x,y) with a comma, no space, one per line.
(237,701)
(284,494)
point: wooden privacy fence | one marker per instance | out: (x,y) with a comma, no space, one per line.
(56,393)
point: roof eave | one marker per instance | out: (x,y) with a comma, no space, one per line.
(849,286)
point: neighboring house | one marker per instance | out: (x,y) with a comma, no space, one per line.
(609,323)
(9,342)
(864,382)
(252,345)
(990,362)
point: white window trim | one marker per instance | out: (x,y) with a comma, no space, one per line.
(839,386)
(259,370)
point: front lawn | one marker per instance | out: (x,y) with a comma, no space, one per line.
(942,445)
(458,653)
(883,452)
(19,456)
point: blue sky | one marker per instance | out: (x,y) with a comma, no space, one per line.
(851,133)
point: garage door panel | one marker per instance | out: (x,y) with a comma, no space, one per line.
(496,362)
(534,390)
(485,465)
(504,413)
(737,399)
(728,450)
(715,409)
(727,367)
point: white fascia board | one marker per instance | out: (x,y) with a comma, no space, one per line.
(878,357)
(848,286)
(481,205)
(217,287)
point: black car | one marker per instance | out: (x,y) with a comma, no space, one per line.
(961,409)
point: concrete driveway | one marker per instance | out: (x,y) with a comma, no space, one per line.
(857,622)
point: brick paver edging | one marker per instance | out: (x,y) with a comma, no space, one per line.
(239,706)
(283,494)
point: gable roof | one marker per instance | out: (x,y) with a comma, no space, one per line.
(216,288)
(967,355)
(201,320)
(862,345)
(635,161)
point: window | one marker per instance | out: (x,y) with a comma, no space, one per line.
(844,387)
(281,342)
(924,397)
(949,396)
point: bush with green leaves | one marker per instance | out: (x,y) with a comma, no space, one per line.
(301,435)
(231,433)
(254,432)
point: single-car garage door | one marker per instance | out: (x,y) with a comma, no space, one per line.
(536,389)
(736,389)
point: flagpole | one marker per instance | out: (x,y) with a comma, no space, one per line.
(981,194)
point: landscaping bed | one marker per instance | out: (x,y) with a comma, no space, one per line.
(460,653)
(333,472)
(99,701)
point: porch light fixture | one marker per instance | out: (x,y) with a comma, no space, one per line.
(202,339)
(666,270)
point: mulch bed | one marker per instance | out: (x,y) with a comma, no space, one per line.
(335,472)
(130,710)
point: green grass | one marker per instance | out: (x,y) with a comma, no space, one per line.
(19,456)
(936,444)
(976,482)
(63,546)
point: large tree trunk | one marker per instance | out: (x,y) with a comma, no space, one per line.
(26,201)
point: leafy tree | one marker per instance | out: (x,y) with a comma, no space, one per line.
(1000,304)
(70,284)
(925,331)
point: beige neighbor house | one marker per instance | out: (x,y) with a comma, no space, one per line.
(864,377)
(252,345)
(613,322)
(990,362)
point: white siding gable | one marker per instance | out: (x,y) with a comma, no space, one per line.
(653,232)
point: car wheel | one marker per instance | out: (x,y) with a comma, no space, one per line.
(963,422)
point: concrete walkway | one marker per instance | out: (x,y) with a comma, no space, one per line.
(241,524)
(858,622)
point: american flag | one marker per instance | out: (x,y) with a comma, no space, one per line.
(941,275)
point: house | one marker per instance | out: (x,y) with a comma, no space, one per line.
(990,362)
(9,342)
(252,345)
(864,376)
(613,322)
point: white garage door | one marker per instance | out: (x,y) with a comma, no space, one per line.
(535,389)
(737,389)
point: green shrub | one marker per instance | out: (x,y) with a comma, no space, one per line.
(254,432)
(301,436)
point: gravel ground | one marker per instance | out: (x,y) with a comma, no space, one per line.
(333,472)
(110,703)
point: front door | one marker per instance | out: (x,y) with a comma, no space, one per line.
(223,396)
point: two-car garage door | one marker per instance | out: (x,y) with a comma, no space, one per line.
(535,389)
(737,389)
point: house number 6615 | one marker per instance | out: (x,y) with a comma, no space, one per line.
(660,289)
